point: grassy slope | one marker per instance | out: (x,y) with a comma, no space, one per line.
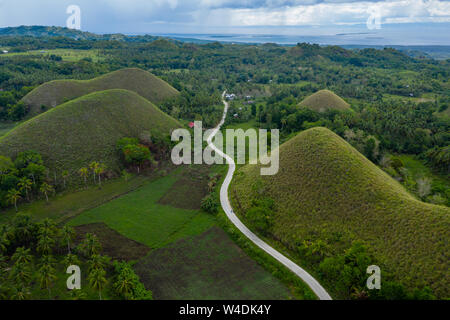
(73,134)
(56,92)
(324,186)
(324,100)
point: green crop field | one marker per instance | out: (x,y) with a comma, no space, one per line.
(138,215)
(167,230)
(66,54)
(65,205)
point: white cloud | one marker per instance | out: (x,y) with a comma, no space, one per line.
(126,15)
(327,13)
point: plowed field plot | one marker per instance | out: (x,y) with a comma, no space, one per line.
(207,266)
(113,243)
(189,190)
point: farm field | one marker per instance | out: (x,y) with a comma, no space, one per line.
(207,266)
(139,216)
(168,230)
(63,206)
(70,55)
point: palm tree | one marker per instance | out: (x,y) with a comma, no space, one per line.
(22,256)
(97,280)
(126,175)
(47,273)
(124,285)
(24,228)
(4,291)
(71,259)
(68,233)
(4,242)
(46,189)
(98,262)
(45,244)
(12,197)
(65,175)
(21,274)
(83,173)
(90,245)
(93,166)
(25,184)
(283,123)
(99,171)
(47,227)
(21,293)
(77,294)
(3,265)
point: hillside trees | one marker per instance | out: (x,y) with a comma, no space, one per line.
(134,153)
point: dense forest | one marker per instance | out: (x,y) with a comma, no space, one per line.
(399,104)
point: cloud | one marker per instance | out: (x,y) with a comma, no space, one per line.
(138,15)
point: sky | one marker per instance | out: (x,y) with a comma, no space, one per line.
(307,17)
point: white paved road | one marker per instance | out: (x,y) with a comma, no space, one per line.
(305,276)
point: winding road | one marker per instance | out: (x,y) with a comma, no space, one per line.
(225,202)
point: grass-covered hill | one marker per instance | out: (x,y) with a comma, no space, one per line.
(53,93)
(325,189)
(324,100)
(86,129)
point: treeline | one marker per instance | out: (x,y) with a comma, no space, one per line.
(203,70)
(34,257)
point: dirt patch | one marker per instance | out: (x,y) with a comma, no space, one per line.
(113,243)
(207,266)
(189,190)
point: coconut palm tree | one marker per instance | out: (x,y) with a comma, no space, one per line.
(47,273)
(25,184)
(83,173)
(90,245)
(124,285)
(68,233)
(98,262)
(77,294)
(21,293)
(22,256)
(93,166)
(71,259)
(97,280)
(99,171)
(13,196)
(48,227)
(126,175)
(21,274)
(45,244)
(24,228)
(65,175)
(4,242)
(46,189)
